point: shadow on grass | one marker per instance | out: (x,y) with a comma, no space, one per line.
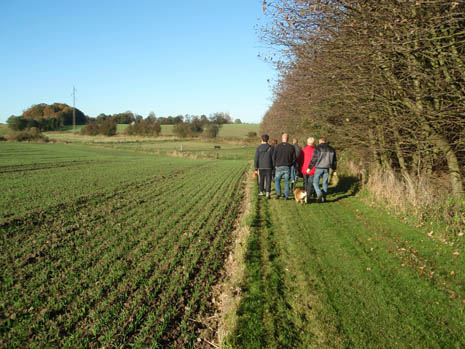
(348,186)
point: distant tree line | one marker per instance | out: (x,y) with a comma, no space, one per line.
(194,126)
(386,79)
(129,117)
(107,127)
(45,117)
(147,127)
(183,125)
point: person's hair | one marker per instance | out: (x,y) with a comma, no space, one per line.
(274,142)
(295,140)
(323,139)
(265,138)
(310,141)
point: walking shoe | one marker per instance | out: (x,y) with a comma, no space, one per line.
(278,197)
(268,195)
(319,197)
(260,193)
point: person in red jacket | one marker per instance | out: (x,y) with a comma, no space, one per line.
(305,157)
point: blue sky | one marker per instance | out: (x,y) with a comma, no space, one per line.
(170,57)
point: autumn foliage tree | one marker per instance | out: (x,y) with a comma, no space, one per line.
(47,117)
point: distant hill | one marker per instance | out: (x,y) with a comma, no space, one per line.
(63,113)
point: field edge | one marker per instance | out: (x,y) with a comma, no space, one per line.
(230,290)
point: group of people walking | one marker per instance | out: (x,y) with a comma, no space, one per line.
(285,160)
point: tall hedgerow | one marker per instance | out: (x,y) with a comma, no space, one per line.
(144,128)
(105,127)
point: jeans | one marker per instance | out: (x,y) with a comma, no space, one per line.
(293,176)
(282,171)
(308,183)
(264,176)
(316,181)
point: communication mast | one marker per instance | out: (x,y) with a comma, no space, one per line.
(74,109)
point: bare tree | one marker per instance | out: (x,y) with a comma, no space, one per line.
(388,76)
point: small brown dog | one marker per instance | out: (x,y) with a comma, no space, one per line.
(300,195)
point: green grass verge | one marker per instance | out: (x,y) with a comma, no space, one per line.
(263,317)
(348,275)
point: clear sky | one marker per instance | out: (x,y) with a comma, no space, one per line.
(168,56)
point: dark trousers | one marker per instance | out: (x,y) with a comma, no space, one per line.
(265,179)
(308,182)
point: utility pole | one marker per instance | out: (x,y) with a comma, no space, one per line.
(74,109)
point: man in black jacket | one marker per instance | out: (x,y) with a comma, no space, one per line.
(324,158)
(264,165)
(283,158)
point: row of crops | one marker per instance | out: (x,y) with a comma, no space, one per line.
(111,249)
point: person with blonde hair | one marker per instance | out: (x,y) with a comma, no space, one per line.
(305,157)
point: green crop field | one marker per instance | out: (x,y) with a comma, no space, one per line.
(193,148)
(167,130)
(233,132)
(238,130)
(187,148)
(120,128)
(106,248)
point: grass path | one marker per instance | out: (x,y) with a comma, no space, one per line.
(344,274)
